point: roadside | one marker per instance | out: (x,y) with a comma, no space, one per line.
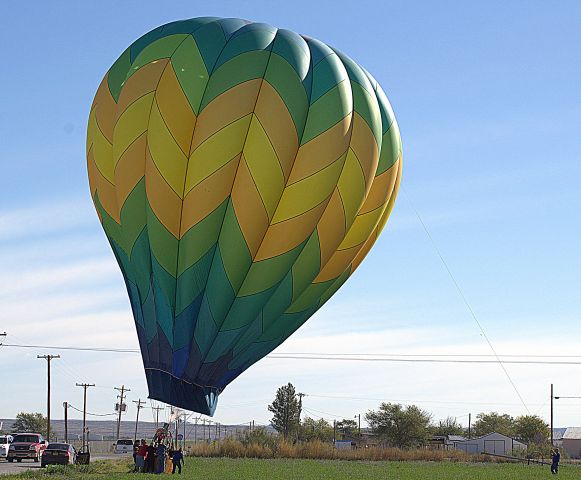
(11,468)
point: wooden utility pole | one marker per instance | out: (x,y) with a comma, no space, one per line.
(552,397)
(184,437)
(157,409)
(140,403)
(66,407)
(85,386)
(358,416)
(469,425)
(334,432)
(121,397)
(48,359)
(300,395)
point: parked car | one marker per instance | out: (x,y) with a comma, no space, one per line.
(26,445)
(5,441)
(123,445)
(59,454)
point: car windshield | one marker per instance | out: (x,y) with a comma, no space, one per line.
(26,438)
(125,442)
(58,446)
(4,440)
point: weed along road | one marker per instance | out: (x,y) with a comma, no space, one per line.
(14,468)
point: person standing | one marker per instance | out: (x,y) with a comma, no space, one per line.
(150,459)
(177,460)
(140,457)
(556,457)
(160,454)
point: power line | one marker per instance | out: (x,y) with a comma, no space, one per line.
(443,402)
(81,349)
(91,414)
(465,300)
(364,357)
(422,360)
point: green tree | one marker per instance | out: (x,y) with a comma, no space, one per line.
(30,422)
(400,426)
(449,426)
(258,436)
(312,429)
(285,410)
(493,422)
(531,429)
(347,426)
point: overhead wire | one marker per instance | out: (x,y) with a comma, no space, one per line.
(465,300)
(91,414)
(362,357)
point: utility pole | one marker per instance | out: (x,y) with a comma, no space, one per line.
(184,434)
(552,397)
(300,395)
(196,430)
(140,403)
(48,359)
(157,409)
(334,432)
(66,407)
(469,425)
(85,386)
(358,417)
(121,397)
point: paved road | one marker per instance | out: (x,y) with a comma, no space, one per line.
(6,468)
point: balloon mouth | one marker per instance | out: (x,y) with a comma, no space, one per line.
(166,388)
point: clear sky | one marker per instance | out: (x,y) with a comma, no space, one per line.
(487,95)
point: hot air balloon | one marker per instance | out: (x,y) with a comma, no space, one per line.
(241,173)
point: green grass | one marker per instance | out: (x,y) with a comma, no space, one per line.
(285,469)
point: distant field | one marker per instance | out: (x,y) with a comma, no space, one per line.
(253,469)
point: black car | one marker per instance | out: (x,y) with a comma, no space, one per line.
(59,454)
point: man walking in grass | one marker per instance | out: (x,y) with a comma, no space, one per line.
(177,459)
(556,458)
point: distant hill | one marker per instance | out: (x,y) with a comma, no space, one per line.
(107,429)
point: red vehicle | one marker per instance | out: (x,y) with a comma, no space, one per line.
(59,454)
(26,445)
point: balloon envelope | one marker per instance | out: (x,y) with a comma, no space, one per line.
(241,173)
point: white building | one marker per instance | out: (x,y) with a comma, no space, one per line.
(495,443)
(571,441)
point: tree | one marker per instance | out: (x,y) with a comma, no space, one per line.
(531,429)
(285,410)
(450,426)
(347,426)
(493,422)
(312,429)
(400,426)
(258,436)
(29,422)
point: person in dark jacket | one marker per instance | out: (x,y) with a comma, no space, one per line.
(556,456)
(150,459)
(160,463)
(177,460)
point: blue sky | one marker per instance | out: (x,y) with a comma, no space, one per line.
(488,101)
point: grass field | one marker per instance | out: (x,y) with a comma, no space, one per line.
(285,469)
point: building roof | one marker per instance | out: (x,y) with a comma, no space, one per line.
(572,433)
(472,440)
(558,433)
(456,438)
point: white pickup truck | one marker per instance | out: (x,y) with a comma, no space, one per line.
(5,441)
